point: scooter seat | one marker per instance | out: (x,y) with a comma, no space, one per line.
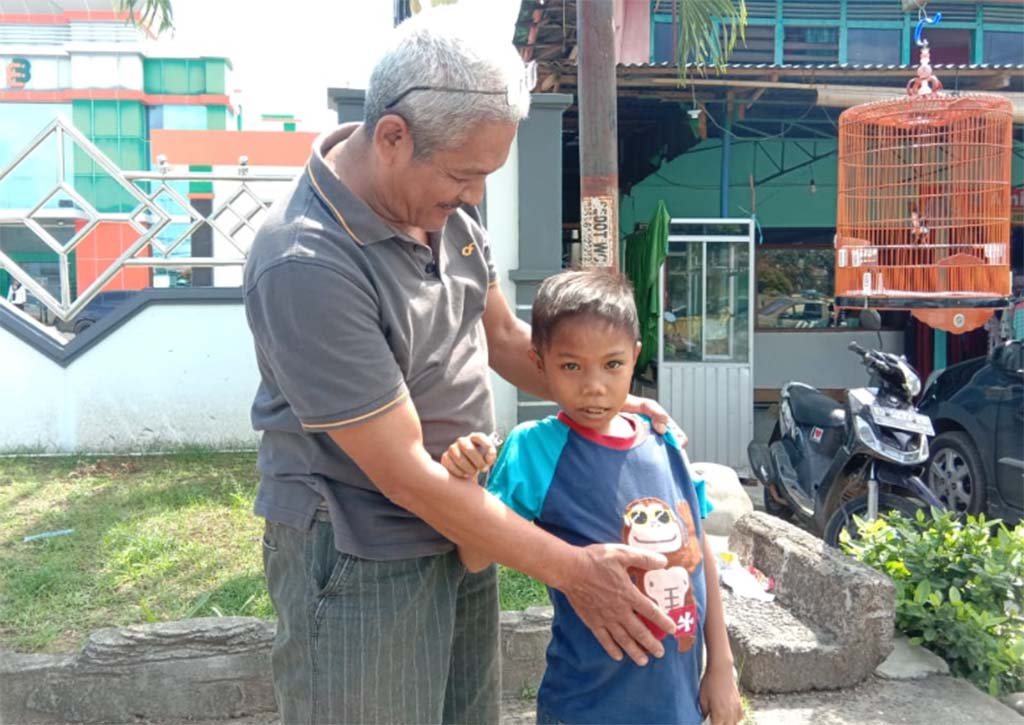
(812,407)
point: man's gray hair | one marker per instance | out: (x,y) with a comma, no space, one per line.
(447,48)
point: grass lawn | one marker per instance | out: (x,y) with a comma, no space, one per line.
(155,538)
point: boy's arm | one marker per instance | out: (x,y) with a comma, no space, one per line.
(468,457)
(719,696)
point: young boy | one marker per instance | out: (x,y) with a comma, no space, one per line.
(594,474)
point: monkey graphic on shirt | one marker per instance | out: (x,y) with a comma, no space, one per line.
(651,524)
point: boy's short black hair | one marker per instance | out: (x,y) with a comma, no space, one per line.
(595,293)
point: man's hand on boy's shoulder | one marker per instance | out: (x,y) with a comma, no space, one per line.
(660,419)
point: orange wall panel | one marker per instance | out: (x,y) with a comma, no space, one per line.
(104,244)
(223,148)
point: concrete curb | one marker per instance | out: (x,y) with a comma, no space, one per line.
(217,671)
(196,669)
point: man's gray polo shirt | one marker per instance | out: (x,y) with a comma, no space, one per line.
(349,317)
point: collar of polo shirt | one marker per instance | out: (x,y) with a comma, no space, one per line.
(352,213)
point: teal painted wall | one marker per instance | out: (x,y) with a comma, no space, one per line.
(690,186)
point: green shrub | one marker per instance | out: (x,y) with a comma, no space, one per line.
(959,590)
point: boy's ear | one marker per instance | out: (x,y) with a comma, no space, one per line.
(636,351)
(537,360)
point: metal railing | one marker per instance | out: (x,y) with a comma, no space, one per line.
(228,220)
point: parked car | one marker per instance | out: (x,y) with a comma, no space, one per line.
(99,306)
(977,457)
(798,312)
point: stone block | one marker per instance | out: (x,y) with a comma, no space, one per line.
(1014,701)
(524,643)
(724,491)
(832,620)
(198,668)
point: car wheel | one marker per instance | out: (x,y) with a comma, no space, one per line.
(955,474)
(81,326)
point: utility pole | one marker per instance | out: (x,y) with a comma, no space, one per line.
(599,156)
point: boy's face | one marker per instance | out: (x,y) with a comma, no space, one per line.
(588,366)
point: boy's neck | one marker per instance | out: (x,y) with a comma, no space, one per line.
(620,432)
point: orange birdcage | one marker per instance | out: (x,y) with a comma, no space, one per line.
(923,217)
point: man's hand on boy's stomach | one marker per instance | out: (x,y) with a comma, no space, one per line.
(605,599)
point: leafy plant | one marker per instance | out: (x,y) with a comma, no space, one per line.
(155,15)
(959,590)
(708,31)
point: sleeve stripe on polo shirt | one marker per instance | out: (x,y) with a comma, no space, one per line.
(364,416)
(337,214)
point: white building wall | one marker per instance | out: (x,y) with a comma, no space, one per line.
(171,375)
(106,70)
(50,71)
(816,358)
(503,231)
(104,32)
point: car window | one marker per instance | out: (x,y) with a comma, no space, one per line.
(1013,357)
(774,306)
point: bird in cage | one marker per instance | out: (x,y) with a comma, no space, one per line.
(918,225)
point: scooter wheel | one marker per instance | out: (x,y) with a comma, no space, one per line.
(842,519)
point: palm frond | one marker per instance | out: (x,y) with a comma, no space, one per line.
(708,31)
(157,16)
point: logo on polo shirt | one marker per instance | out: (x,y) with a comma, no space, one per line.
(468,249)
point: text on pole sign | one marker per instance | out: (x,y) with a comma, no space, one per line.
(597,224)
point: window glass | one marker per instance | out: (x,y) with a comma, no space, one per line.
(684,309)
(726,325)
(663,50)
(719,332)
(795,287)
(1003,48)
(946,45)
(810,45)
(757,47)
(1012,358)
(878,47)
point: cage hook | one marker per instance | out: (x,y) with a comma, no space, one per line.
(925,82)
(924,19)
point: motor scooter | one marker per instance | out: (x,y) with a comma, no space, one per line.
(827,462)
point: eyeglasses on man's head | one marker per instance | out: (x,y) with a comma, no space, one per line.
(513,94)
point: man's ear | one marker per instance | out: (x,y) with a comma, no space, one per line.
(392,139)
(537,360)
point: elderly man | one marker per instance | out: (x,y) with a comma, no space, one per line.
(372,300)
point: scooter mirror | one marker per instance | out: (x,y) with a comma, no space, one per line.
(870,319)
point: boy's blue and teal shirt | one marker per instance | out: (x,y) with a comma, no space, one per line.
(586,489)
